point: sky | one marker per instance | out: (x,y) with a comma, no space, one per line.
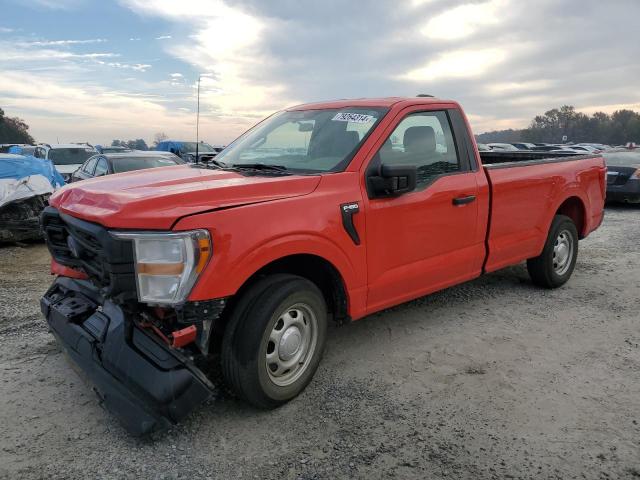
(80,70)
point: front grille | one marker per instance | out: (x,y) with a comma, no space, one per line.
(78,244)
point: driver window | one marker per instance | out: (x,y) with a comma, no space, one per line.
(424,140)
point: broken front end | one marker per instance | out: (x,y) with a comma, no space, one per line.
(119,309)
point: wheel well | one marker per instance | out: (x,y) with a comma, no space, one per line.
(312,267)
(573,208)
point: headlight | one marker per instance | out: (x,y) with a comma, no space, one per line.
(168,264)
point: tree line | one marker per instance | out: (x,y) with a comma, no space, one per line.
(619,128)
(13,130)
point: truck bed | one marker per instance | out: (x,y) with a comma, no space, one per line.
(527,189)
(492,158)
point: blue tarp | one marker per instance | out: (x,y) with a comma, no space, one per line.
(22,166)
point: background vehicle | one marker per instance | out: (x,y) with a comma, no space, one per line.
(524,146)
(502,146)
(582,148)
(22,149)
(545,148)
(112,149)
(483,148)
(5,147)
(67,157)
(623,175)
(106,164)
(187,150)
(247,258)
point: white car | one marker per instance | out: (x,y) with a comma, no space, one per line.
(506,147)
(67,157)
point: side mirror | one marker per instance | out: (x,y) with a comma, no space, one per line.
(392,180)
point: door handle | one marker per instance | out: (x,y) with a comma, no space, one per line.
(459,201)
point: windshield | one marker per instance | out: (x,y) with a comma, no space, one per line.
(307,140)
(190,147)
(127,164)
(70,156)
(622,159)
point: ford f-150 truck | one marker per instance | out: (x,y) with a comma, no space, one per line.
(172,277)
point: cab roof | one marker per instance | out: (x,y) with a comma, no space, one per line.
(385,102)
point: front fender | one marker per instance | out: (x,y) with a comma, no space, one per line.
(236,273)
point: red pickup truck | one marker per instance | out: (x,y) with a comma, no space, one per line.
(329,211)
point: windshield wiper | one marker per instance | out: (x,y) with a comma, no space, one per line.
(260,166)
(211,163)
(217,163)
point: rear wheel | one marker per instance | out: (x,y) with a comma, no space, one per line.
(275,340)
(554,266)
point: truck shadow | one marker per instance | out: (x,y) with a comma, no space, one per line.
(369,333)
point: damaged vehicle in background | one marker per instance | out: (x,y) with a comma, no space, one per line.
(25,186)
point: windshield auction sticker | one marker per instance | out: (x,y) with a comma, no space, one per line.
(353,117)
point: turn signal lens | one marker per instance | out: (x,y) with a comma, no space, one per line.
(205,252)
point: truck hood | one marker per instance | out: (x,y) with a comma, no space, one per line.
(156,198)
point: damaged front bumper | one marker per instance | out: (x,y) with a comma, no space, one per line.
(144,383)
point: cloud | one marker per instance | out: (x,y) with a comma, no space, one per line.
(11,54)
(52,43)
(163,37)
(54,4)
(98,114)
(226,42)
(138,67)
(175,75)
(461,63)
(464,20)
(6,30)
(504,60)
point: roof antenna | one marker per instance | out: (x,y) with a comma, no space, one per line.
(198,119)
(424,95)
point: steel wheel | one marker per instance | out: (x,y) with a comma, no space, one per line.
(291,344)
(562,252)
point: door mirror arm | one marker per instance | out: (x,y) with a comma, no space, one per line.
(391,180)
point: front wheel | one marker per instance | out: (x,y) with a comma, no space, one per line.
(554,266)
(274,340)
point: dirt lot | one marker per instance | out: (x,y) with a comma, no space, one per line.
(491,379)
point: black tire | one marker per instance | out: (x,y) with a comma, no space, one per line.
(544,269)
(247,338)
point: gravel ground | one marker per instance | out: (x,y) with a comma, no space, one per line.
(491,379)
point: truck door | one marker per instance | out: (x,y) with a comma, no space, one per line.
(426,239)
